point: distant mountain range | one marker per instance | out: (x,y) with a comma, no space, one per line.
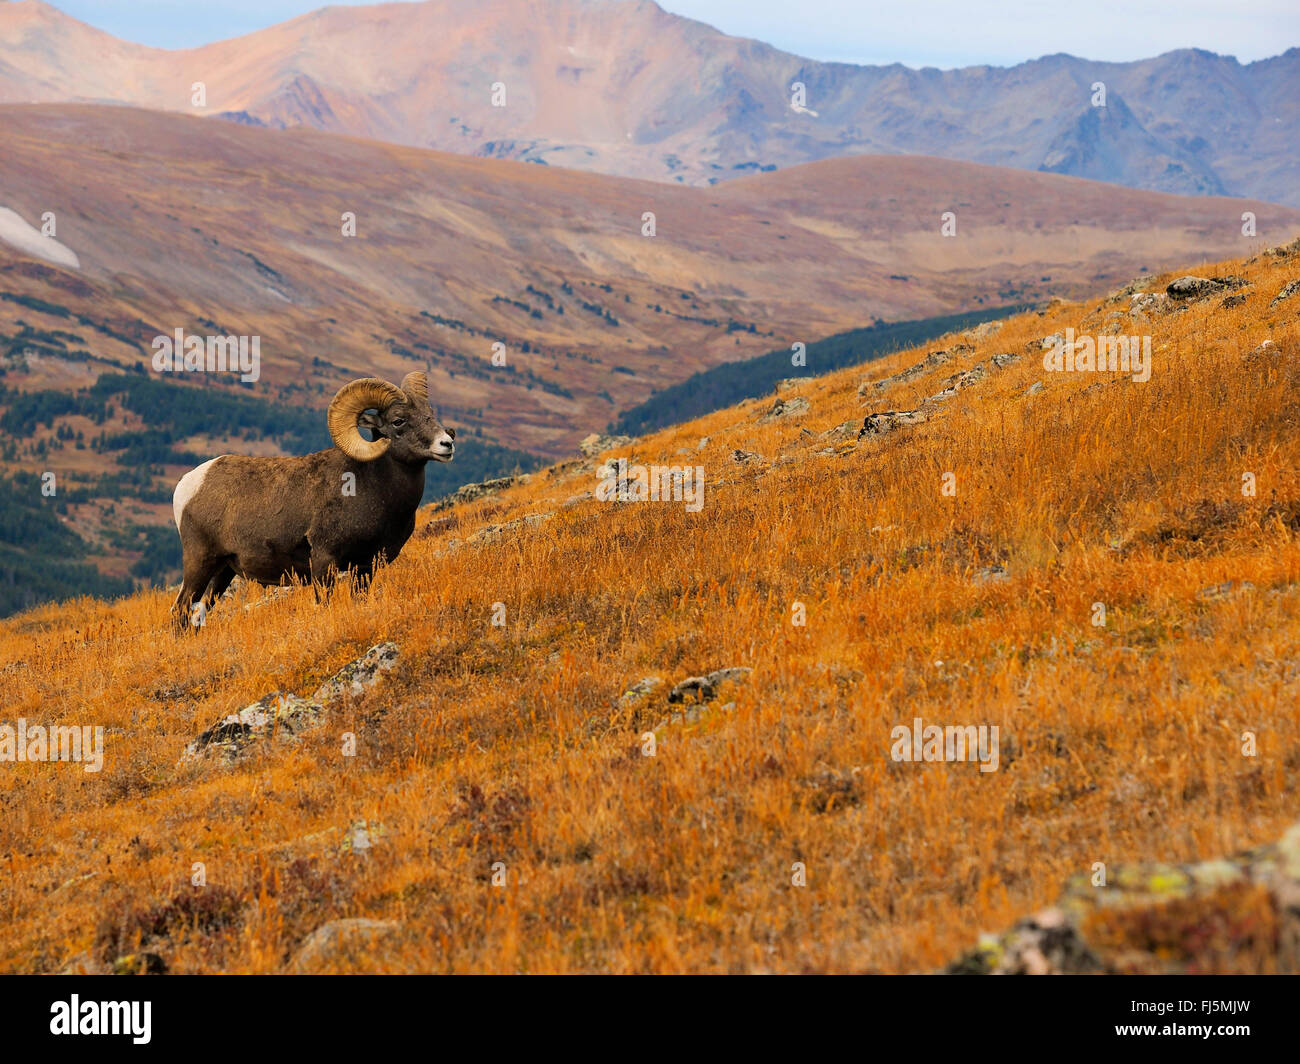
(622,87)
(167,221)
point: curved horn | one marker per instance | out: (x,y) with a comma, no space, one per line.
(417,384)
(365,394)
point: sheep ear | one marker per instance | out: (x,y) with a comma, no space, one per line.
(417,385)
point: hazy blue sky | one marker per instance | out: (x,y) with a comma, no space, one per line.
(943,33)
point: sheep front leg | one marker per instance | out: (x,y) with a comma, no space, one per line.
(324,572)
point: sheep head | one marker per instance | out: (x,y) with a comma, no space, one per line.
(404,426)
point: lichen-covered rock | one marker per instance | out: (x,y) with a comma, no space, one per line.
(1288,290)
(885,421)
(641,690)
(982,331)
(1144,304)
(597,444)
(846,430)
(785,408)
(280,713)
(470,492)
(496,533)
(957,382)
(1191,287)
(356,676)
(285,715)
(1236,915)
(705,688)
(362,837)
(933,359)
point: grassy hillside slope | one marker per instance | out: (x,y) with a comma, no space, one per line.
(512,746)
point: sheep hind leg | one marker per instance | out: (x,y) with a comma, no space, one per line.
(217,588)
(198,574)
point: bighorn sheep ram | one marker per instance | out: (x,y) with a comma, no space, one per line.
(315,516)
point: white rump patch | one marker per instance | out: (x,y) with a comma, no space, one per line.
(15,232)
(188,487)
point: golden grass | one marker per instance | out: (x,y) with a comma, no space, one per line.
(509,744)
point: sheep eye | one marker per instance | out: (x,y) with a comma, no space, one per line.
(398,422)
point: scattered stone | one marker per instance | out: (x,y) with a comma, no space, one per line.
(1288,290)
(845,431)
(1234,300)
(1283,251)
(704,688)
(273,594)
(1034,388)
(357,676)
(597,444)
(640,691)
(696,685)
(732,674)
(790,382)
(1138,284)
(470,492)
(495,533)
(992,574)
(1235,915)
(339,938)
(1191,287)
(934,358)
(1005,359)
(957,382)
(287,715)
(1049,342)
(704,442)
(361,838)
(885,421)
(745,457)
(1114,324)
(1145,303)
(785,408)
(982,331)
(1035,945)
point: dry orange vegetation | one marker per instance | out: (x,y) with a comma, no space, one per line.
(509,744)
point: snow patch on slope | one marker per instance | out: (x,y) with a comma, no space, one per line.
(15,232)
